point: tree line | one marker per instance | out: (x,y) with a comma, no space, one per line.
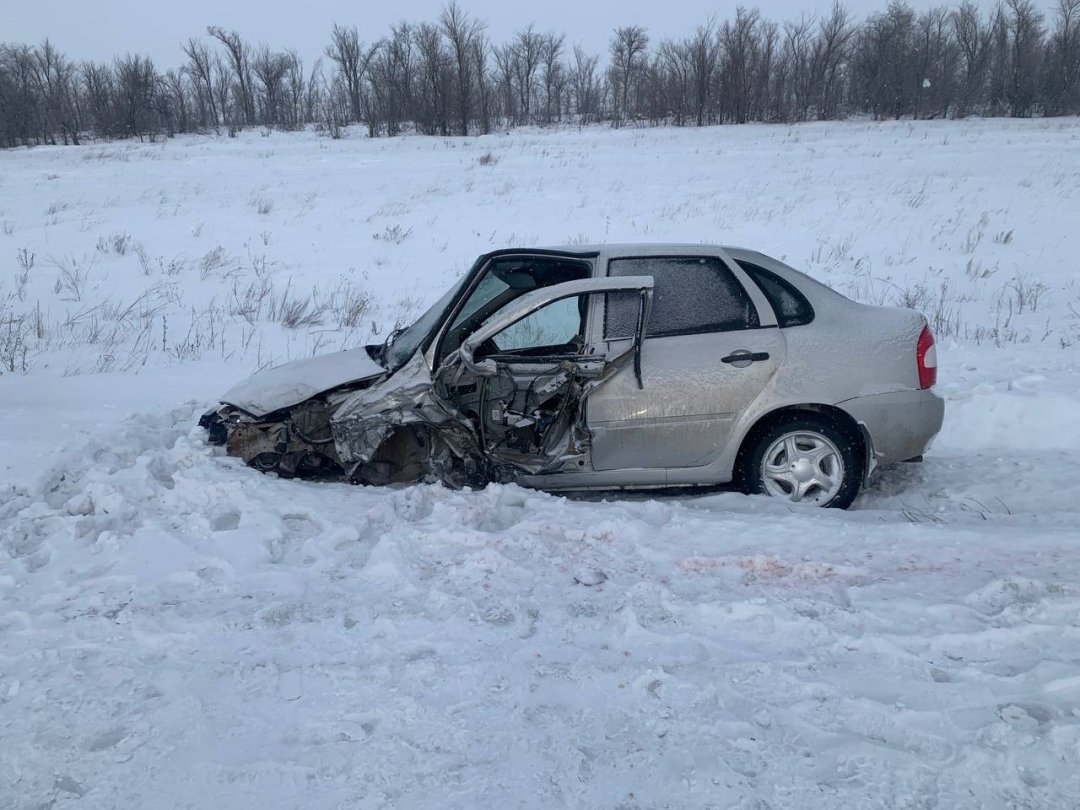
(447,77)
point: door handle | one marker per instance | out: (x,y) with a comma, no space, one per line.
(743,358)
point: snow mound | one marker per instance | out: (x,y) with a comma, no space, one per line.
(180,630)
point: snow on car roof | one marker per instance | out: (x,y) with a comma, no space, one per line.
(637,248)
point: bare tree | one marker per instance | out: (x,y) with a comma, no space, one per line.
(19,97)
(270,69)
(480,50)
(738,65)
(293,86)
(506,58)
(445,77)
(432,116)
(1024,22)
(222,89)
(99,99)
(176,101)
(554,75)
(200,69)
(528,49)
(883,70)
(628,46)
(796,86)
(768,55)
(312,101)
(238,54)
(974,40)
(676,77)
(462,32)
(55,78)
(1063,59)
(136,95)
(703,49)
(346,52)
(830,53)
(586,85)
(935,59)
(395,83)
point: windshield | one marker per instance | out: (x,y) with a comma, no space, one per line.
(403,344)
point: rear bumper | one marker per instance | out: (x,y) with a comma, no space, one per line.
(899,425)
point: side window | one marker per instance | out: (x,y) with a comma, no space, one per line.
(691,295)
(555,328)
(790,305)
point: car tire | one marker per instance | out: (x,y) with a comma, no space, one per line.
(804,459)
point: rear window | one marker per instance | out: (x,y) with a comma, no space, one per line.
(790,306)
(692,295)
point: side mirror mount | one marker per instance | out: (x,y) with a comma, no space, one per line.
(484,368)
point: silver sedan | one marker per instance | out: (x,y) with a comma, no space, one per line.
(608,367)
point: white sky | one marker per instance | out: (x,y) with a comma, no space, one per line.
(101,29)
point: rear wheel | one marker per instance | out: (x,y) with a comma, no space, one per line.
(804,459)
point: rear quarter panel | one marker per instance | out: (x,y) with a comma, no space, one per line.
(849,350)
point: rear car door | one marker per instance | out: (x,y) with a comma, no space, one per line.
(711,346)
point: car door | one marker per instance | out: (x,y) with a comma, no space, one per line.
(521,379)
(710,348)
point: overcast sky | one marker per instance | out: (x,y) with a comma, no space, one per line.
(101,29)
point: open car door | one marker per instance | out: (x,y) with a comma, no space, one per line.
(521,379)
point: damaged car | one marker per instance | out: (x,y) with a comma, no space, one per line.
(609,367)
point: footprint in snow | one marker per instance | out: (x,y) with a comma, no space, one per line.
(279,615)
(1028,716)
(107,739)
(68,785)
(589,576)
(225,521)
(999,595)
(412,504)
(300,526)
(295,530)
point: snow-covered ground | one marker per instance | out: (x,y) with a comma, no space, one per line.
(177,630)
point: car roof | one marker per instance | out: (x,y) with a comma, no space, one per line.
(637,248)
(630,249)
(818,293)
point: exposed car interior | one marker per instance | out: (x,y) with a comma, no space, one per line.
(529,407)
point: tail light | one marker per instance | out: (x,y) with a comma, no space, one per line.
(926,357)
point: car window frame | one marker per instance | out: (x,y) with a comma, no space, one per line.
(766,316)
(783,282)
(433,353)
(595,287)
(581,333)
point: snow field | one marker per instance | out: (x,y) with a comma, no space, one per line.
(177,630)
(180,630)
(261,249)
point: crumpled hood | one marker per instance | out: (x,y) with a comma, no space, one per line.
(292,383)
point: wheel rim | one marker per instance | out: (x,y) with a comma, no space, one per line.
(803,467)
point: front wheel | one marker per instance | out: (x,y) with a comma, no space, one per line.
(805,459)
